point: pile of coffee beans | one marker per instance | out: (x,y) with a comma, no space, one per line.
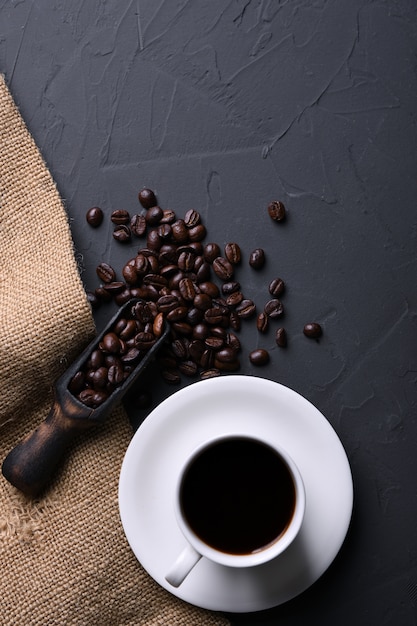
(192,284)
(121,349)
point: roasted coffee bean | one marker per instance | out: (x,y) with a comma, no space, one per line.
(171,376)
(202,301)
(246,309)
(203,272)
(138,225)
(201,331)
(102,295)
(147,198)
(226,355)
(211,252)
(153,240)
(210,288)
(77,383)
(197,233)
(276,211)
(230,287)
(260,356)
(233,341)
(212,373)
(111,343)
(182,328)
(92,398)
(177,314)
(192,218)
(274,308)
(276,287)
(167,303)
(115,374)
(234,298)
(130,274)
(187,289)
(168,217)
(186,261)
(281,337)
(179,348)
(128,331)
(213,316)
(234,320)
(233,253)
(144,340)
(262,322)
(120,216)
(207,359)
(155,280)
(257,258)
(132,355)
(116,286)
(188,368)
(105,272)
(153,215)
(179,231)
(158,325)
(122,234)
(164,231)
(100,378)
(94,216)
(227,366)
(96,359)
(214,343)
(223,268)
(313,330)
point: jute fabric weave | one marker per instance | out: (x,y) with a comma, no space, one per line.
(64,558)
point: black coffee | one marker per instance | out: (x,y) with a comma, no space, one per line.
(238,495)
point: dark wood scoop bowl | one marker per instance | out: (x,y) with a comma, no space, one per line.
(31,465)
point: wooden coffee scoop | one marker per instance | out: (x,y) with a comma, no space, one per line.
(30,466)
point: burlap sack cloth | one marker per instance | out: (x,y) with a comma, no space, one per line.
(64,557)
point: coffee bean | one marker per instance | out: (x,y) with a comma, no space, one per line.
(115,374)
(211,373)
(276,211)
(274,308)
(147,198)
(281,337)
(120,216)
(260,356)
(276,287)
(168,217)
(211,252)
(262,322)
(153,215)
(188,368)
(246,309)
(234,298)
(197,233)
(111,343)
(77,383)
(257,258)
(313,330)
(233,253)
(230,287)
(138,225)
(187,289)
(192,218)
(122,234)
(94,216)
(223,268)
(179,231)
(105,272)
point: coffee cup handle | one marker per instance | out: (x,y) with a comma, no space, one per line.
(183,565)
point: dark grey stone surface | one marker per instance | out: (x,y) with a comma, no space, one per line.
(222,107)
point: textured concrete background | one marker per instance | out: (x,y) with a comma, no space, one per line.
(222,107)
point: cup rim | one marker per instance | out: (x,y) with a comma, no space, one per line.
(271,550)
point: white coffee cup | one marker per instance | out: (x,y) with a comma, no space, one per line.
(239,502)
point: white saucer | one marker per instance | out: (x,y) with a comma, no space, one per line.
(257,407)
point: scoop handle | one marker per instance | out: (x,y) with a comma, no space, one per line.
(32,463)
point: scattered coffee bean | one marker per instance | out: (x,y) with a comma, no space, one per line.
(274,308)
(281,337)
(94,216)
(147,198)
(233,253)
(138,225)
(262,322)
(276,287)
(257,258)
(223,268)
(276,211)
(105,272)
(120,216)
(313,330)
(122,233)
(260,356)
